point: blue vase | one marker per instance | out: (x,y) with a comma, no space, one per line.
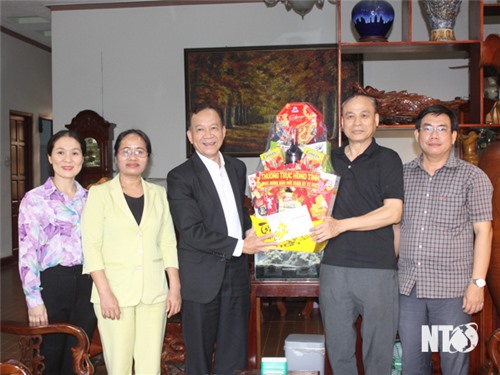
(373,20)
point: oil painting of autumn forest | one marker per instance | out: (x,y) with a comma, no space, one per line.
(252,84)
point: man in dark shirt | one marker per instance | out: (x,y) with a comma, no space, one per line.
(206,196)
(358,273)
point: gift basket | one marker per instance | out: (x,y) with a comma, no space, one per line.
(294,187)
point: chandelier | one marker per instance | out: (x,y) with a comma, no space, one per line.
(301,7)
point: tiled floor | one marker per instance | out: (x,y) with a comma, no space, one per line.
(274,331)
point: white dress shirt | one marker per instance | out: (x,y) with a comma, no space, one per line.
(225,191)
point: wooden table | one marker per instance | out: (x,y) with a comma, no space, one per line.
(261,289)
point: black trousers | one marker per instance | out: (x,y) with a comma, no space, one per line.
(66,295)
(218,329)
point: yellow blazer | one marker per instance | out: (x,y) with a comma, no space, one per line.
(134,257)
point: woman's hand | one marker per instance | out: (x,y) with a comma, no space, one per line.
(174,302)
(109,306)
(37,315)
(174,299)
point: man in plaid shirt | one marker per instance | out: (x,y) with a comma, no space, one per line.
(445,244)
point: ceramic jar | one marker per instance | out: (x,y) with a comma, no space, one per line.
(494,116)
(490,88)
(442,15)
(373,20)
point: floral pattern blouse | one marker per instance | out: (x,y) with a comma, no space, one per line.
(49,234)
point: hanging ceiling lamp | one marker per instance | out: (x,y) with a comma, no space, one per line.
(301,7)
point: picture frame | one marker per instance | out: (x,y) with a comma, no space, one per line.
(252,84)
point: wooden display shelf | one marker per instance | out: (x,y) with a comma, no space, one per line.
(471,126)
(397,127)
(466,46)
(408,48)
(491,9)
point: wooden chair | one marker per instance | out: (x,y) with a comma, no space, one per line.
(492,364)
(31,338)
(101,181)
(13,367)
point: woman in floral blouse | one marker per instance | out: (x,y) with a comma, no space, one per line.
(50,252)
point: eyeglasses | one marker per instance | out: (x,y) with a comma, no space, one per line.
(430,129)
(138,152)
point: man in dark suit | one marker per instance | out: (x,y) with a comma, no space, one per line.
(206,196)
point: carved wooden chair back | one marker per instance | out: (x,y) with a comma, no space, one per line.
(101,181)
(31,338)
(492,364)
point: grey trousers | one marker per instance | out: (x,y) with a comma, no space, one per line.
(418,312)
(345,294)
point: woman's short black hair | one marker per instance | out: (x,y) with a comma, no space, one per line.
(66,133)
(140,133)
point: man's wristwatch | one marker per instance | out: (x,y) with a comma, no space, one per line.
(480,283)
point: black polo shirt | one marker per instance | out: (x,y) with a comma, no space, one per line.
(373,176)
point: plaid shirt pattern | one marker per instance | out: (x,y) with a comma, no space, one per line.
(437,236)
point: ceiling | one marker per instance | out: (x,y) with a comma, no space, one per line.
(12,9)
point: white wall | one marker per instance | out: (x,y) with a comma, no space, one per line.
(25,87)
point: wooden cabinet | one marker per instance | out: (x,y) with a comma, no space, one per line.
(490,28)
(98,135)
(404,46)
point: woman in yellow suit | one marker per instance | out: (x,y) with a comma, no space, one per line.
(128,243)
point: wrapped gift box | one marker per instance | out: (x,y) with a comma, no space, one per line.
(289,198)
(289,202)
